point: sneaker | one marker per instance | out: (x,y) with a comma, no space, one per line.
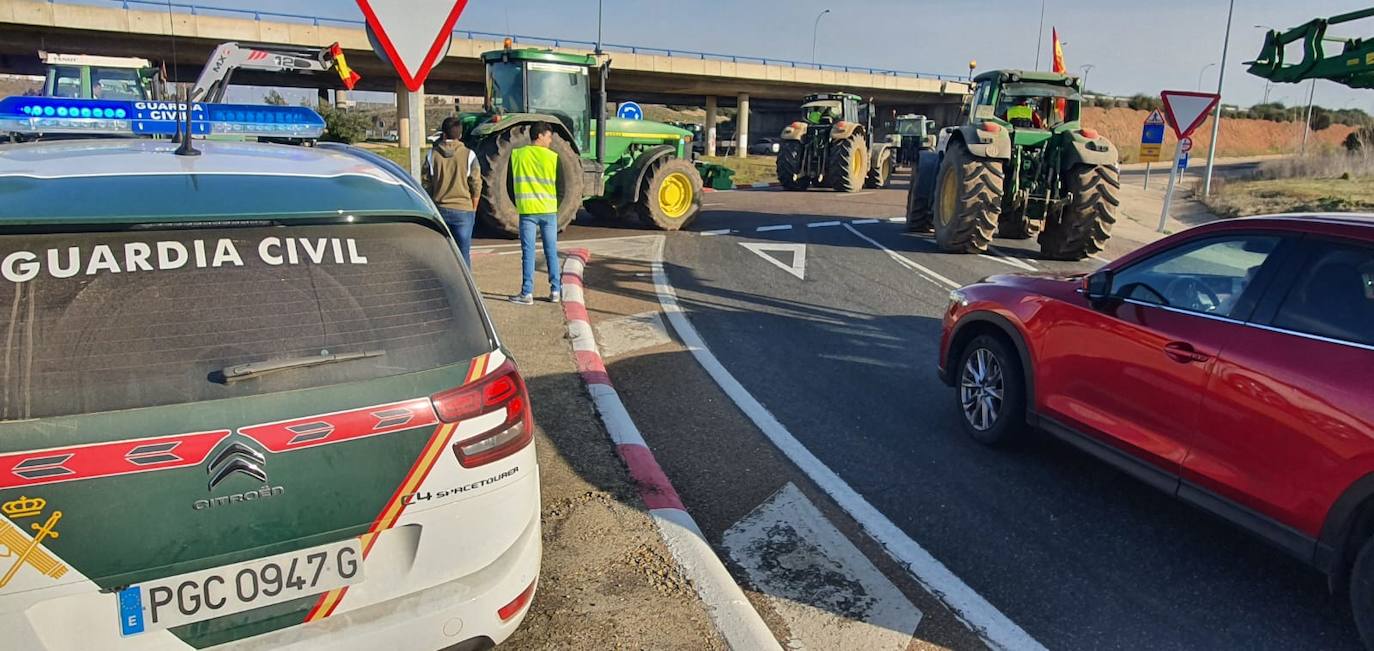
(522,299)
(555,297)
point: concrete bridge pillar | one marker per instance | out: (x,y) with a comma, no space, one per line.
(710,130)
(402,114)
(742,127)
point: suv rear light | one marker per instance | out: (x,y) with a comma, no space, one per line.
(503,389)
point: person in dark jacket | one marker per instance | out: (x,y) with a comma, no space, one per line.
(453,179)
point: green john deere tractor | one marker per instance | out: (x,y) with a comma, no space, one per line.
(615,167)
(1021,165)
(831,146)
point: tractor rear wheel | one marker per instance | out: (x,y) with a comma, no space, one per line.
(670,197)
(789,166)
(847,164)
(1086,223)
(497,206)
(920,216)
(968,200)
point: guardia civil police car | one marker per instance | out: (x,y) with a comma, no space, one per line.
(248,397)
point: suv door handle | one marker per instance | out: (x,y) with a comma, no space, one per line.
(1183,352)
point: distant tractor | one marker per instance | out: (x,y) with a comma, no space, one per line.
(84,76)
(1021,165)
(911,134)
(832,147)
(615,167)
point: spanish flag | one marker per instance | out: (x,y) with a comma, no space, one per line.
(1058,66)
(349,77)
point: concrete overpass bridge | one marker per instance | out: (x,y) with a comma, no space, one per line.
(766,90)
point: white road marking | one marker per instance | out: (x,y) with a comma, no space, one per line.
(777,227)
(860,194)
(796,268)
(1099,258)
(627,334)
(897,220)
(723,231)
(864,221)
(822,224)
(921,270)
(997,256)
(711,205)
(826,591)
(971,608)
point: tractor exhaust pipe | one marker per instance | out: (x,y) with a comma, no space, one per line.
(601,116)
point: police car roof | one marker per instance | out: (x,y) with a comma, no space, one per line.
(135,180)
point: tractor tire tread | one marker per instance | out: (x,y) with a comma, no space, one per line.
(1086,223)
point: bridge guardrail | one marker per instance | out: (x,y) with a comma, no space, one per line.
(258,15)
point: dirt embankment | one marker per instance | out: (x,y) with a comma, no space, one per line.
(1239,137)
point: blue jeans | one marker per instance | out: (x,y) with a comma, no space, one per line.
(460,222)
(547,225)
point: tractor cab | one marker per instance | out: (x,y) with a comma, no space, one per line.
(1033,104)
(543,82)
(83,76)
(825,109)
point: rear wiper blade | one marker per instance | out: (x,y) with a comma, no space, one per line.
(256,369)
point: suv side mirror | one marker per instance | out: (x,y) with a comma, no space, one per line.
(1097,286)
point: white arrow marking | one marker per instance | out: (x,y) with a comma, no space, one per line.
(829,594)
(798,251)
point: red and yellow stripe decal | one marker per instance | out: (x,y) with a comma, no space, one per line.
(391,512)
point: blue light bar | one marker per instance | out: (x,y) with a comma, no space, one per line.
(37,115)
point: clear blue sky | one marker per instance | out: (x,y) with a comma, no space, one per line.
(1133,46)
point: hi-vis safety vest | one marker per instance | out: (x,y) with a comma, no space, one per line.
(1020,112)
(534,170)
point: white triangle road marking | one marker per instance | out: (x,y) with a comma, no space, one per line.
(798,266)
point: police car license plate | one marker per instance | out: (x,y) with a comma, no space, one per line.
(230,589)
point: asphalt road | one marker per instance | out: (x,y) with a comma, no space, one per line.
(1076,553)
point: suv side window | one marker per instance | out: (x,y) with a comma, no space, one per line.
(1333,295)
(1208,276)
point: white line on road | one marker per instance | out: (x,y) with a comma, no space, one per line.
(897,220)
(864,221)
(970,607)
(822,224)
(1099,258)
(921,270)
(860,194)
(997,256)
(778,227)
(723,231)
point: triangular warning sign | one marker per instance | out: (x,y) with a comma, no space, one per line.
(412,32)
(798,265)
(1155,117)
(1186,110)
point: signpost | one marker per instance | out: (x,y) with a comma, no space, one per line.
(412,35)
(1151,142)
(1185,111)
(630,111)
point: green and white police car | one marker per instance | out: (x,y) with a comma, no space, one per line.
(248,398)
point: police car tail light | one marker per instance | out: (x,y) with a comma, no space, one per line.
(503,389)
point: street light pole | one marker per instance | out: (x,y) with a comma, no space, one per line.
(1086,68)
(1307,128)
(1202,72)
(814,28)
(1216,115)
(1040,40)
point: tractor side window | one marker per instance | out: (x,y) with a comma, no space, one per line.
(981,106)
(65,81)
(507,87)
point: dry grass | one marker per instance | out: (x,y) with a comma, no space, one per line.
(1312,184)
(755,169)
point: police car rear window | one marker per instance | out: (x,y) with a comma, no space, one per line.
(93,322)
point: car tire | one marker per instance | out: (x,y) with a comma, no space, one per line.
(989,419)
(1362,592)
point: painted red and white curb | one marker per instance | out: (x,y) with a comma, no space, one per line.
(739,624)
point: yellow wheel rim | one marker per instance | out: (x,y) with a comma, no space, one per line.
(856,164)
(675,195)
(949,197)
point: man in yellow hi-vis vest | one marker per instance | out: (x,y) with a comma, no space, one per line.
(534,171)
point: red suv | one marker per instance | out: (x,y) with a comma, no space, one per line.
(1229,365)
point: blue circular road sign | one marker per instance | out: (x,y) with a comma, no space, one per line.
(630,111)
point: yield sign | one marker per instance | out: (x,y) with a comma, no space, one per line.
(1186,110)
(798,265)
(412,32)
